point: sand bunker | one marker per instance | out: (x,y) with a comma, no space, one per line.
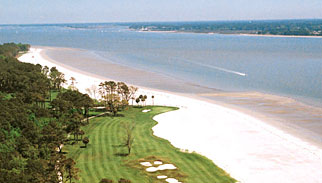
(162,176)
(167,167)
(161,167)
(152,169)
(158,163)
(146,110)
(172,180)
(146,164)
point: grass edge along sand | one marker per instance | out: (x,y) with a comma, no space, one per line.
(104,155)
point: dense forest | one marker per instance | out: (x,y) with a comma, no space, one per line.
(29,134)
(38,116)
(260,27)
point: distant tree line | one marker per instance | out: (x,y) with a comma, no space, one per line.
(12,49)
(261,27)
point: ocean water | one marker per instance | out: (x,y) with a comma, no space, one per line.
(282,66)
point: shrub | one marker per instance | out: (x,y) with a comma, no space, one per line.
(124,181)
(85,141)
(106,181)
(41,112)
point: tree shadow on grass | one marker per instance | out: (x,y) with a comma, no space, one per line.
(121,154)
(73,142)
(119,145)
(111,115)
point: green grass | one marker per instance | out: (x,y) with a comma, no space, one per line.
(100,160)
(53,94)
(7,96)
(92,112)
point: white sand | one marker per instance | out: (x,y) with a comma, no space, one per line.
(162,177)
(158,163)
(146,110)
(172,180)
(167,167)
(161,167)
(146,164)
(247,148)
(152,169)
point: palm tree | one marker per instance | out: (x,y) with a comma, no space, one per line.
(145,97)
(72,83)
(137,100)
(86,141)
(152,99)
(132,100)
(141,97)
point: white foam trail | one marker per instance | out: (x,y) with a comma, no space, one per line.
(223,69)
(218,68)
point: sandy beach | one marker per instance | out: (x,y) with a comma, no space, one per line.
(249,149)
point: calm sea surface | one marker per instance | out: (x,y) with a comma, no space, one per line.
(290,67)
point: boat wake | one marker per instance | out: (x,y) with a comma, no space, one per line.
(223,69)
(219,68)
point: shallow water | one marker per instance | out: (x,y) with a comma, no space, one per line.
(80,59)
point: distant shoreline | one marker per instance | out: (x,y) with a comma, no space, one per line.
(235,34)
(282,36)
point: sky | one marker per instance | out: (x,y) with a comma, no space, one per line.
(83,11)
